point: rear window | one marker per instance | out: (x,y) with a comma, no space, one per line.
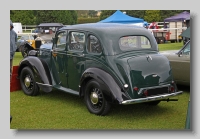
(128,43)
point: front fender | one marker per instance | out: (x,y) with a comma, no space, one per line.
(40,70)
(112,90)
(28,45)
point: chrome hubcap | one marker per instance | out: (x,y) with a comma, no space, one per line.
(94,98)
(27,82)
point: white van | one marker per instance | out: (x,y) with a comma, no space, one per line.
(17,27)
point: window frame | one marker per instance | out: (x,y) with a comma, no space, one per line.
(69,41)
(138,47)
(55,46)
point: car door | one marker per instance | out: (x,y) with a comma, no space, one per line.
(59,60)
(181,64)
(75,58)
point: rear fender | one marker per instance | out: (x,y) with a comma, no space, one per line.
(112,90)
(40,70)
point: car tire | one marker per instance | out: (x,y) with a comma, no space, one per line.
(24,51)
(95,100)
(28,83)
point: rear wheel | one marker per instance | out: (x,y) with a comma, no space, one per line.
(95,100)
(28,83)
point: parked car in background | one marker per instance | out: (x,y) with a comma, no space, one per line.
(180,63)
(103,63)
(25,38)
(27,42)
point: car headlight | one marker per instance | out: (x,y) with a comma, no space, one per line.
(30,42)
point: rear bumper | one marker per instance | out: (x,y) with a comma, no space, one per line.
(153,98)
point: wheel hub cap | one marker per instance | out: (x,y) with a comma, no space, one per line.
(27,81)
(94,98)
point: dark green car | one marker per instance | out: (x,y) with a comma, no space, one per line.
(104,63)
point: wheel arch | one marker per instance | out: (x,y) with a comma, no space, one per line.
(40,70)
(112,91)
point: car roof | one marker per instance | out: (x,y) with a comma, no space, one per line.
(103,27)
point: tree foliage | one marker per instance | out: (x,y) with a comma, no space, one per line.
(35,17)
(69,17)
(26,17)
(106,13)
(135,13)
(66,17)
(152,15)
(92,13)
(82,13)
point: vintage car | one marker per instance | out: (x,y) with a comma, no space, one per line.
(104,63)
(180,63)
(43,34)
(28,42)
(24,38)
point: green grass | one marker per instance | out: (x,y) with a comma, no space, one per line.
(59,110)
(170,46)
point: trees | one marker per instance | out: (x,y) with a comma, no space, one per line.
(66,17)
(35,17)
(152,15)
(106,13)
(26,17)
(92,13)
(69,17)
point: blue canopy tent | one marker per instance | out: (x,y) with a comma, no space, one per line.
(179,17)
(119,17)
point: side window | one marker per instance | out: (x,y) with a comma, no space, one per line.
(94,45)
(186,50)
(77,41)
(128,43)
(61,40)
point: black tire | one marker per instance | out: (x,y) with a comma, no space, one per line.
(20,48)
(28,83)
(24,50)
(153,103)
(98,104)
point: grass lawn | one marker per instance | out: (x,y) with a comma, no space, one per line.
(59,110)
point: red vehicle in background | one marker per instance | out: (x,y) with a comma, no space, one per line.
(160,35)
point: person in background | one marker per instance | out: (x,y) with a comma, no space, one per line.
(165,25)
(13,46)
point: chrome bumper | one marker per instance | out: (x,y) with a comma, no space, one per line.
(153,98)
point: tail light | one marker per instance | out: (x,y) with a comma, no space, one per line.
(146,92)
(135,88)
(171,89)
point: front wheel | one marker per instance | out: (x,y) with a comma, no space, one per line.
(24,50)
(95,100)
(28,83)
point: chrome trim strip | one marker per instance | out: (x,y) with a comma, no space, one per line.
(153,98)
(44,84)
